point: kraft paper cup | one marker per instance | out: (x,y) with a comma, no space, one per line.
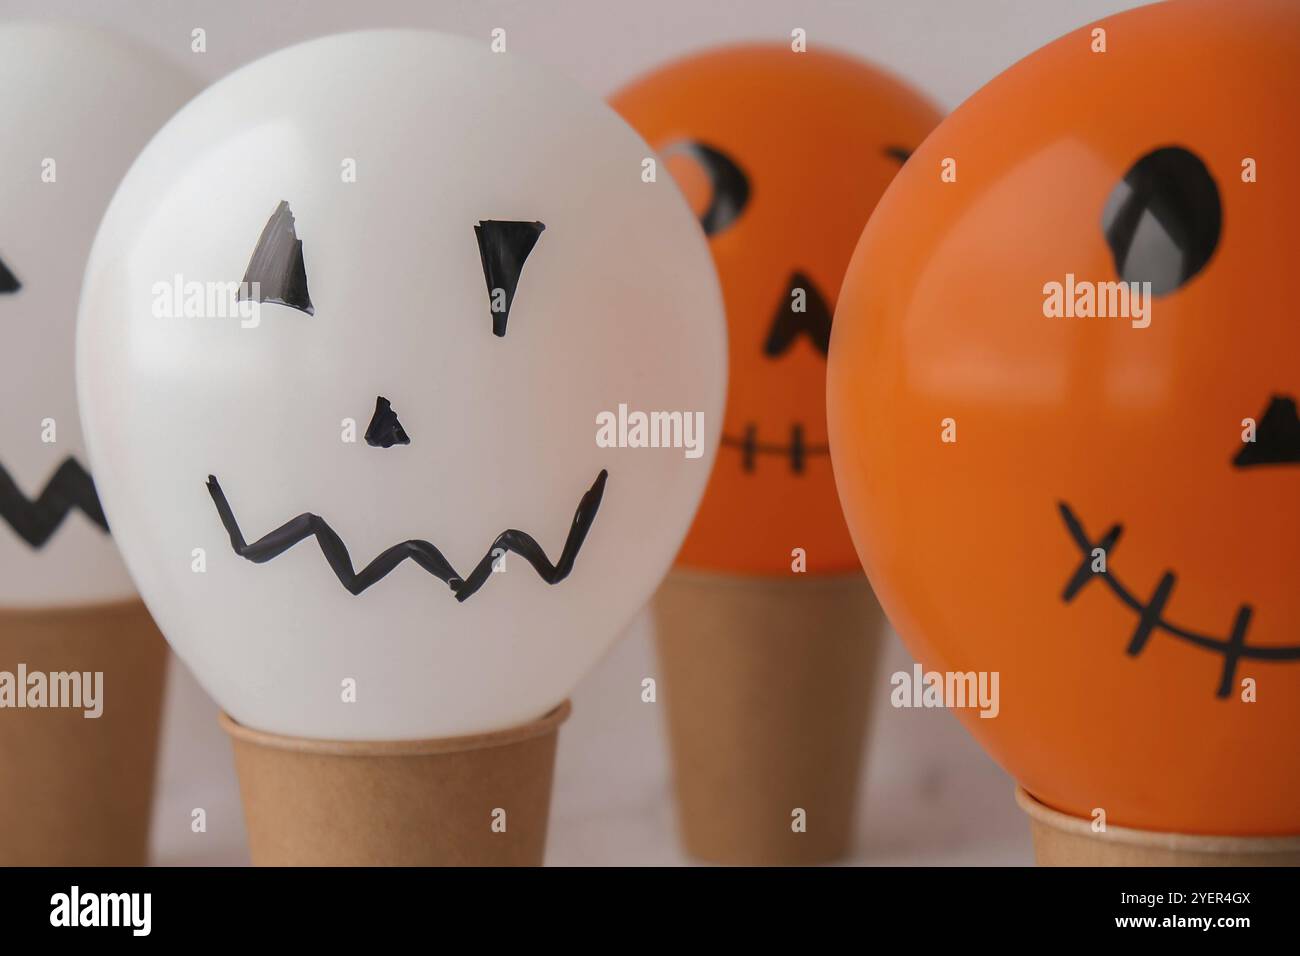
(78,791)
(481,800)
(1064,840)
(768,687)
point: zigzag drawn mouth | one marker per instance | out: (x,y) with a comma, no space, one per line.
(35,521)
(1233,648)
(421,552)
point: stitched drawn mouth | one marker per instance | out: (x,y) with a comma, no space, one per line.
(421,552)
(35,521)
(1150,619)
(797,450)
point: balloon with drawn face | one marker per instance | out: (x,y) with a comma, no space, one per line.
(346,339)
(1062,399)
(783,156)
(76,106)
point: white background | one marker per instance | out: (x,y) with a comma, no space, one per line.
(930,795)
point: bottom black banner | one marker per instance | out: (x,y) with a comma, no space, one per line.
(212,905)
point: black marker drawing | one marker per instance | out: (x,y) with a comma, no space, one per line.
(898,153)
(277,264)
(797,450)
(35,521)
(421,552)
(8,281)
(787,325)
(1277,437)
(384,430)
(504,246)
(1150,619)
(1162,221)
(729,186)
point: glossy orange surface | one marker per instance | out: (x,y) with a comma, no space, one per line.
(814,137)
(968,542)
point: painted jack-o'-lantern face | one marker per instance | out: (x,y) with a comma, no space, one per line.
(783,156)
(75,107)
(404,482)
(277,274)
(1094,527)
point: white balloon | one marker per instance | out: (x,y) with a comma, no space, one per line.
(76,106)
(386,149)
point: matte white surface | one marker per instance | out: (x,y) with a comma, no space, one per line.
(618,304)
(88,101)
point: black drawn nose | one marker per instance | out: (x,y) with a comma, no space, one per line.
(802,311)
(384,430)
(8,281)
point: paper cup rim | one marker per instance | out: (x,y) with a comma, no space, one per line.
(1045,816)
(547,724)
(97,608)
(828,581)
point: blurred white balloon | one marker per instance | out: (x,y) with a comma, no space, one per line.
(380,153)
(76,107)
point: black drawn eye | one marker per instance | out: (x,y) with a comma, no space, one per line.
(276,272)
(1277,437)
(504,246)
(1162,221)
(729,186)
(898,153)
(8,281)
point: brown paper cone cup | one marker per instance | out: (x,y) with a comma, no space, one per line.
(1063,840)
(480,800)
(78,791)
(768,686)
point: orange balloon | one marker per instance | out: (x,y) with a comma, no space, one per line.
(783,155)
(1115,529)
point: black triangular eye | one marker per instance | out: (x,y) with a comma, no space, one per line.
(728,183)
(1277,436)
(277,266)
(898,153)
(788,324)
(384,430)
(1163,219)
(504,245)
(8,281)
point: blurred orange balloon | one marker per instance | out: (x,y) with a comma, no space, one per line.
(783,155)
(1116,527)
